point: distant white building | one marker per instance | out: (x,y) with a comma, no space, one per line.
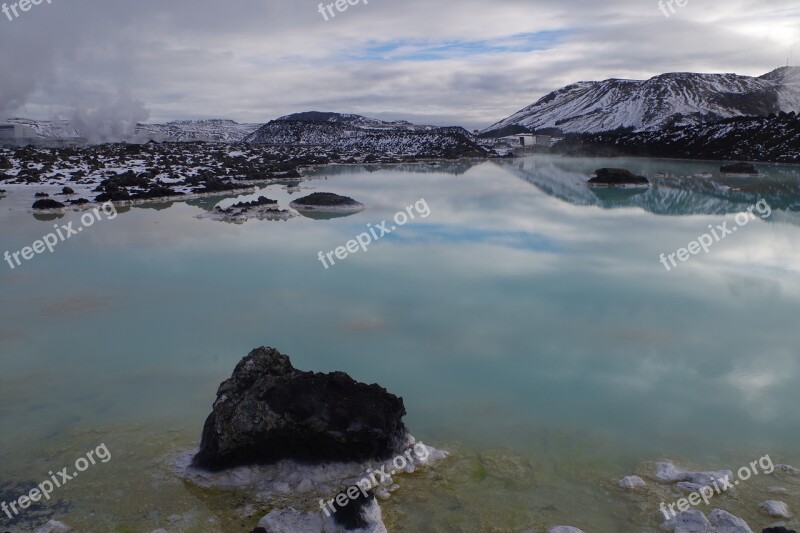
(528,140)
(16,132)
(18,135)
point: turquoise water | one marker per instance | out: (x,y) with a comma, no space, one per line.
(527,317)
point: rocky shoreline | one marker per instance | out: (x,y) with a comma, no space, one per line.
(301,440)
(160,171)
(772,139)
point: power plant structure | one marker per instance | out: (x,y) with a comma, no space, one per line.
(19,135)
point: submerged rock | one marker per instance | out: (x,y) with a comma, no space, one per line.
(54,526)
(725,522)
(687,522)
(775,509)
(632,483)
(694,521)
(509,467)
(667,472)
(787,469)
(617,177)
(564,529)
(739,168)
(363,517)
(269,411)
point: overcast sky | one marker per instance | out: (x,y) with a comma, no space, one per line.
(454,62)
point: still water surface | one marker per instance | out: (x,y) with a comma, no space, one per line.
(527,323)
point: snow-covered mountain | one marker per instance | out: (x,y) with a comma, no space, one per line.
(354,134)
(214,130)
(787,81)
(662,101)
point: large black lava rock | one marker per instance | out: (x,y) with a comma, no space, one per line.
(270,411)
(326,199)
(616,177)
(48,204)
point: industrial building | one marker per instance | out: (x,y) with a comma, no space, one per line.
(528,141)
(16,134)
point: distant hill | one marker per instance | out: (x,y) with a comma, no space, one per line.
(357,134)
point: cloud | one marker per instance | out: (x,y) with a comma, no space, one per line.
(468,62)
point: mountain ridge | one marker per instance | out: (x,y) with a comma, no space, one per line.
(670,99)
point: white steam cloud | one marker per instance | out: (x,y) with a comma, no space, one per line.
(114,120)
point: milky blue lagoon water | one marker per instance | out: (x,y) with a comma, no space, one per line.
(527,323)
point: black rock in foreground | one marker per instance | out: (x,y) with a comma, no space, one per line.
(270,411)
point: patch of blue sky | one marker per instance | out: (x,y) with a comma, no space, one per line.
(445,234)
(427,50)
